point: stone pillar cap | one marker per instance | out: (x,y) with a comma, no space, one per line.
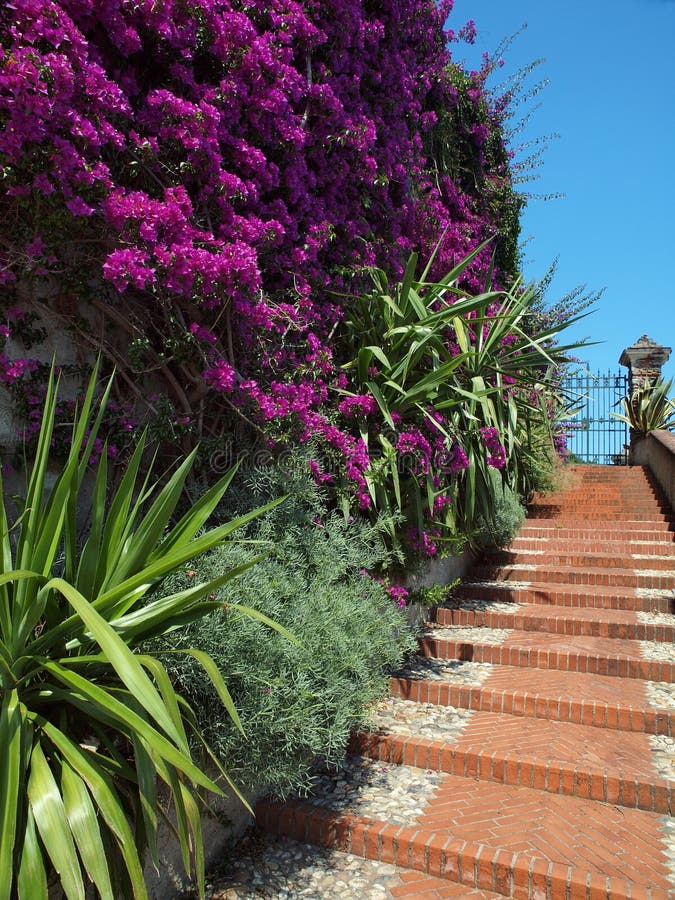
(645,350)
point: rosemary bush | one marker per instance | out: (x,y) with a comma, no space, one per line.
(299,701)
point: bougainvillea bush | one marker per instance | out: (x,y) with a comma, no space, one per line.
(194,188)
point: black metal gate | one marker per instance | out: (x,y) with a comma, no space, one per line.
(593,434)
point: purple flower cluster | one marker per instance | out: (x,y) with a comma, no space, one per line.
(496,453)
(222,164)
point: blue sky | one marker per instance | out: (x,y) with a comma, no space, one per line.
(611,98)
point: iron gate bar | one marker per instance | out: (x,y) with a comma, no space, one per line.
(594,435)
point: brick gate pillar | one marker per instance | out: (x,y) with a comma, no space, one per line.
(644,361)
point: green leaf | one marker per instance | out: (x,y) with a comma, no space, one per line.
(83,822)
(11,776)
(31,880)
(50,817)
(104,706)
(119,656)
(108,802)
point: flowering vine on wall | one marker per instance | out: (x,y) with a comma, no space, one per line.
(201,181)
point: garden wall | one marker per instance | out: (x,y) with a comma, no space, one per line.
(657,452)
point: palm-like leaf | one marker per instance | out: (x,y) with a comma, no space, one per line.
(649,408)
(87,726)
(421,347)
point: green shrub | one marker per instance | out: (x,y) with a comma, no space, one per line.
(297,702)
(506,521)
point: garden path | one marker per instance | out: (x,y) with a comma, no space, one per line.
(529,752)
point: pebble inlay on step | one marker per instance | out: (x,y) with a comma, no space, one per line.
(282,869)
(659,650)
(454,671)
(663,755)
(655,617)
(482,635)
(366,787)
(661,694)
(427,720)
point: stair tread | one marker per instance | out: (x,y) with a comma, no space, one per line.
(534,640)
(587,613)
(544,683)
(530,826)
(630,755)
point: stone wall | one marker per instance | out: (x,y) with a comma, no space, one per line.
(657,451)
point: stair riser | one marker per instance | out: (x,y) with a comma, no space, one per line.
(562,661)
(600,515)
(634,631)
(570,597)
(576,530)
(562,556)
(554,778)
(517,875)
(619,549)
(551,575)
(533,706)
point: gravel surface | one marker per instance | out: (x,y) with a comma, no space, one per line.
(481,635)
(663,651)
(427,720)
(663,755)
(366,787)
(661,694)
(279,868)
(455,671)
(655,617)
(481,605)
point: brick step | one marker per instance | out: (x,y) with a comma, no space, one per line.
(559,620)
(557,574)
(559,758)
(589,596)
(577,531)
(598,655)
(610,550)
(600,515)
(515,841)
(599,701)
(581,558)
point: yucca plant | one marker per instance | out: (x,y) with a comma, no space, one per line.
(649,408)
(88,727)
(424,347)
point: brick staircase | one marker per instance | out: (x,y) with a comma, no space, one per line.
(561,783)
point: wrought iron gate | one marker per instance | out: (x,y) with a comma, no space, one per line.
(593,434)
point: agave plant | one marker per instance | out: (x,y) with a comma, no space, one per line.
(649,408)
(88,727)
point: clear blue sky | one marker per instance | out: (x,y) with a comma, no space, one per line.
(611,98)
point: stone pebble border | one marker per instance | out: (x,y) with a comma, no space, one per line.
(283,869)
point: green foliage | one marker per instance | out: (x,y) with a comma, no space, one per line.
(435,594)
(648,408)
(297,702)
(508,516)
(88,728)
(481,169)
(453,366)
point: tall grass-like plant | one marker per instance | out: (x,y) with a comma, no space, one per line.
(465,371)
(88,728)
(649,408)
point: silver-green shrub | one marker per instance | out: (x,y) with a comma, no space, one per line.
(297,702)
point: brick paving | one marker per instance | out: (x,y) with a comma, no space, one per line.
(549,789)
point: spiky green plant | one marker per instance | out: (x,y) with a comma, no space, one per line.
(649,408)
(88,728)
